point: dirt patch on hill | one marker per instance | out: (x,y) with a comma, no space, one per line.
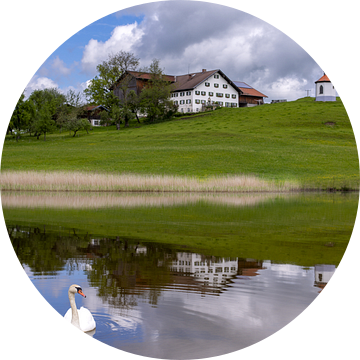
(330,123)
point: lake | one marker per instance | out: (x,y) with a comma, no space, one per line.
(181,276)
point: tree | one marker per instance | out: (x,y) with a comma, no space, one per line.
(43,122)
(154,98)
(75,124)
(48,104)
(133,103)
(98,92)
(21,117)
(71,110)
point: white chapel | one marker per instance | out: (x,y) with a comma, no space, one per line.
(324,90)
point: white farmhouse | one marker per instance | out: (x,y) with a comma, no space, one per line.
(193,92)
(324,90)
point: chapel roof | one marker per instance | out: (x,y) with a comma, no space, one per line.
(324,78)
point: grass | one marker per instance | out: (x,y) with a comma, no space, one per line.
(296,228)
(302,142)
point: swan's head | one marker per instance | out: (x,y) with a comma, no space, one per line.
(76,289)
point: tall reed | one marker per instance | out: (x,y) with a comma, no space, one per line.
(81,181)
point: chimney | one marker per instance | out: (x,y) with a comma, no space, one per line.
(203,70)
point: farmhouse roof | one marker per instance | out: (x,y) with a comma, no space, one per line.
(192,80)
(140,75)
(247,90)
(93,107)
(147,76)
(324,78)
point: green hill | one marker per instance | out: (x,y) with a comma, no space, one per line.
(304,141)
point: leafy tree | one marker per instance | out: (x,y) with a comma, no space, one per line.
(98,92)
(48,104)
(51,98)
(116,116)
(43,122)
(22,116)
(133,103)
(154,98)
(76,124)
(71,110)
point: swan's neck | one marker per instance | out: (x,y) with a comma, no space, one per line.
(75,315)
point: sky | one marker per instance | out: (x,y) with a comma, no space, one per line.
(186,37)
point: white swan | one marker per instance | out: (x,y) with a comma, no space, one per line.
(81,318)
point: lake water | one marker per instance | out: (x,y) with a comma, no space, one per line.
(181,277)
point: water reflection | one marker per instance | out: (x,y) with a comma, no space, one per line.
(180,280)
(75,200)
(124,270)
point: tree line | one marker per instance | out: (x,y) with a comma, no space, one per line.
(48,110)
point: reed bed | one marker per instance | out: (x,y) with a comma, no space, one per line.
(74,200)
(80,181)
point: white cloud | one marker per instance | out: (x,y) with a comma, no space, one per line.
(283,87)
(122,38)
(40,83)
(59,66)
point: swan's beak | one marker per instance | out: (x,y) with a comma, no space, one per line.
(81,293)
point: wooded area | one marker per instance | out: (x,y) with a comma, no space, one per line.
(48,110)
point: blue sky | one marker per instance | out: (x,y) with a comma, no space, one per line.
(185,36)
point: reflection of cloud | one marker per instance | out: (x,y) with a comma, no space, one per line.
(100,200)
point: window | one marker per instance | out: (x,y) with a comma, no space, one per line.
(218,269)
(182,94)
(174,94)
(188,109)
(188,101)
(211,93)
(225,86)
(203,101)
(182,102)
(219,94)
(216,76)
(216,85)
(220,103)
(227,95)
(197,101)
(233,96)
(233,104)
(197,92)
(188,93)
(207,84)
(176,102)
(321,89)
(227,104)
(203,93)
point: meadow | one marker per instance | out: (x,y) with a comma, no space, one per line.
(300,228)
(304,144)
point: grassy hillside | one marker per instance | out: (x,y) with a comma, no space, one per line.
(304,141)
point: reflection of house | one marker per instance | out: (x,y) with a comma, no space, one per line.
(214,272)
(323,274)
(249,267)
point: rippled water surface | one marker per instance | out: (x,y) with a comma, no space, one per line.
(201,279)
